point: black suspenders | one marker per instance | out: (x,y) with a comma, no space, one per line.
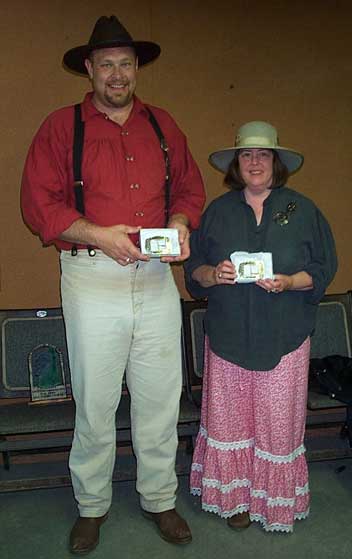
(165,150)
(78,141)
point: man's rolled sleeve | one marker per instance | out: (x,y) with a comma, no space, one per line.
(44,186)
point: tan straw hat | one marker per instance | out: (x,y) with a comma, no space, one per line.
(256,134)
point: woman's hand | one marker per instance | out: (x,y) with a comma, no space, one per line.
(301,281)
(277,285)
(224,273)
(208,276)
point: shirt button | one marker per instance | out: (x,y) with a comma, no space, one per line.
(124,133)
(129,158)
(139,214)
(134,186)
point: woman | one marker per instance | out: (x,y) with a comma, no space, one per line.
(249,460)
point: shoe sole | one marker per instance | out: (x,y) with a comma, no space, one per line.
(84,552)
(184,541)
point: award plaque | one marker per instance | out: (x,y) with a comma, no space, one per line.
(251,267)
(159,242)
(46,374)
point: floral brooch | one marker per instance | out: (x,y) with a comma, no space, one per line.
(282,218)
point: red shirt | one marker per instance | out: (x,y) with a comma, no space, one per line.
(123,171)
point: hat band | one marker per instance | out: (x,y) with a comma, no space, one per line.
(255,141)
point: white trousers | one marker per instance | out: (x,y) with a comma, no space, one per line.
(122,318)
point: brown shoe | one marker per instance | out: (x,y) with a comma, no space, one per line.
(171,526)
(239,521)
(84,536)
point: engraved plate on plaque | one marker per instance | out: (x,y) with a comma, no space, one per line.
(252,266)
(159,242)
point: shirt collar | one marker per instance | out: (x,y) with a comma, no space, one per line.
(274,193)
(89,110)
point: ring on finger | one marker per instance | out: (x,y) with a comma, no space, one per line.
(220,275)
(127,260)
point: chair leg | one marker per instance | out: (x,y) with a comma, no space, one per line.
(189,445)
(346,430)
(6,459)
(5,454)
(349,424)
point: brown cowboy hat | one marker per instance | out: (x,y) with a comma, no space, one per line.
(109,32)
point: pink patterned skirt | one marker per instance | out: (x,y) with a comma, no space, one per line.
(249,453)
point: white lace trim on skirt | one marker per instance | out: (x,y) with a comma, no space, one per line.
(280,459)
(226,488)
(228,513)
(248,443)
(280,501)
(256,493)
(302,490)
(277,526)
(220,445)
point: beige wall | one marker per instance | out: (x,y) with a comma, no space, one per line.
(223,63)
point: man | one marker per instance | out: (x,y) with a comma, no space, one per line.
(121,308)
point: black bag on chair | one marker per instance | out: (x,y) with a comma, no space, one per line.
(332,375)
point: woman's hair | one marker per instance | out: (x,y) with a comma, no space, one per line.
(235,181)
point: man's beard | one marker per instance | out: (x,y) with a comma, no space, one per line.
(119,100)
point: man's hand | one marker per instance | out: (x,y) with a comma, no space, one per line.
(115,242)
(179,222)
(112,241)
